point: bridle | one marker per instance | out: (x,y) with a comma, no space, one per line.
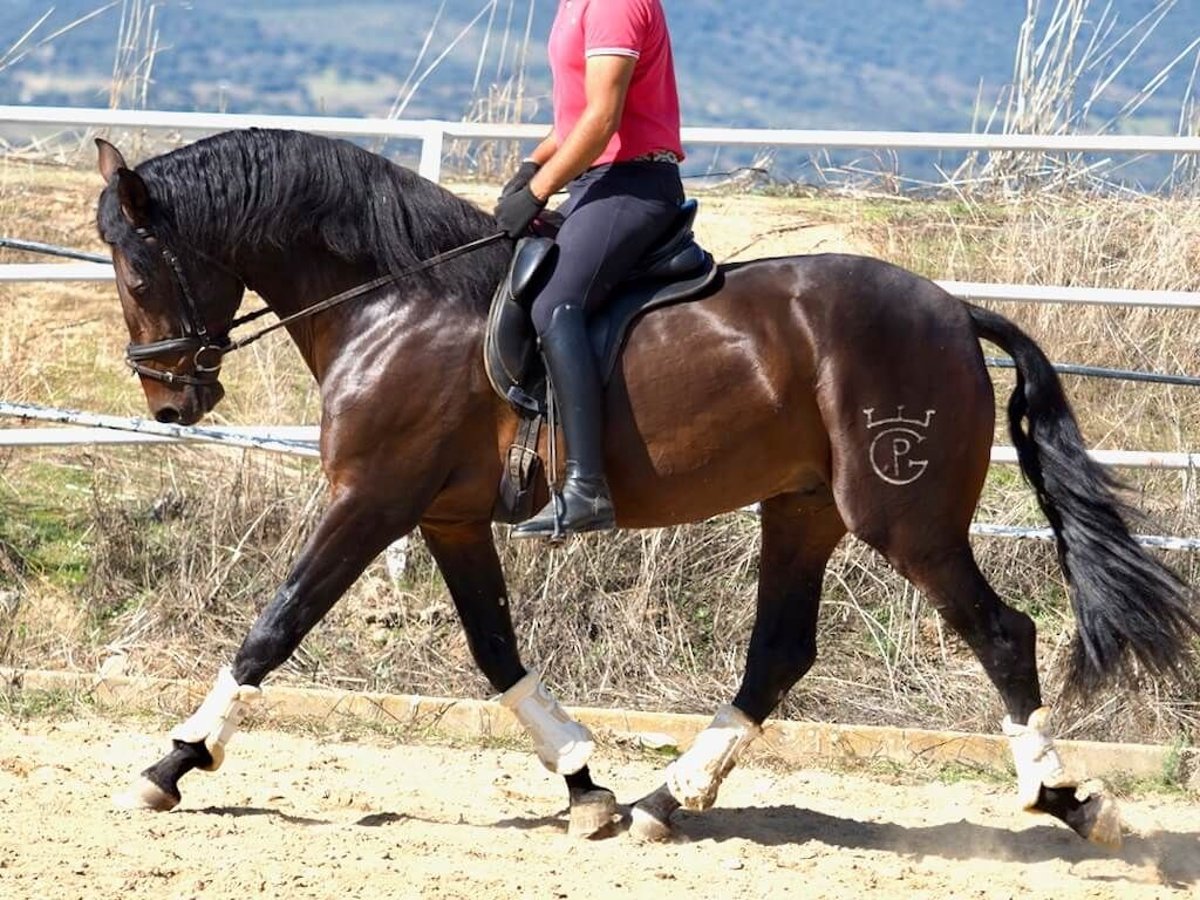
(208,351)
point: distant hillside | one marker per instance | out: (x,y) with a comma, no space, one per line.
(915,65)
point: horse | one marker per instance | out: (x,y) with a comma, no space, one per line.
(841,393)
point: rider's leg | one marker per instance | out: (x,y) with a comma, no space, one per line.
(586,505)
(615,214)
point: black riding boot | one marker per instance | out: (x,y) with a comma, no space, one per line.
(584,504)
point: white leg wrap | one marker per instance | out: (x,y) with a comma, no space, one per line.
(1035,757)
(563,745)
(218,717)
(695,777)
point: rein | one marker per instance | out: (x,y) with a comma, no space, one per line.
(209,352)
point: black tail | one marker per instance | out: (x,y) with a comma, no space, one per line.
(1124,598)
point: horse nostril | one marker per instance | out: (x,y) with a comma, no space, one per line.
(168,415)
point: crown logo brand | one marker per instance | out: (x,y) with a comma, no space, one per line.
(898,419)
(894,442)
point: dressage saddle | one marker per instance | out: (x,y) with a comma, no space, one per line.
(676,268)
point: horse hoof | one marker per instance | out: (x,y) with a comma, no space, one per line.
(650,820)
(1105,828)
(644,826)
(145,794)
(592,814)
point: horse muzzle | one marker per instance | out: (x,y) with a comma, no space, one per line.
(184,406)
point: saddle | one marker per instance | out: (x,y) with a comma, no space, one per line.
(675,269)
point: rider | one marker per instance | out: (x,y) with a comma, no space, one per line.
(616,147)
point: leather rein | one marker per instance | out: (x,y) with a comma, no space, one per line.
(208,351)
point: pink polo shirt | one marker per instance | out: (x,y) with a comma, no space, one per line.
(634,28)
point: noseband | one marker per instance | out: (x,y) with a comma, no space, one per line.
(207,352)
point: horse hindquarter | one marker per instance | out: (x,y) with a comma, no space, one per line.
(907,401)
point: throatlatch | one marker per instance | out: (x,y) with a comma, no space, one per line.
(218,717)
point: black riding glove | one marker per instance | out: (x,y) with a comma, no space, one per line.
(524,172)
(516,212)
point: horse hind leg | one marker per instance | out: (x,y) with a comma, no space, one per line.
(799,533)
(1004,641)
(914,507)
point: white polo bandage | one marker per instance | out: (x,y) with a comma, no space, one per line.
(563,745)
(218,717)
(695,777)
(1036,759)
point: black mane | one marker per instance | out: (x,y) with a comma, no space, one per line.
(263,188)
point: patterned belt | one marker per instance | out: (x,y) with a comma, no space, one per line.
(659,156)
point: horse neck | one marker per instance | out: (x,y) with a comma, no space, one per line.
(290,282)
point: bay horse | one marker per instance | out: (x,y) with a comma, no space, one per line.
(841,393)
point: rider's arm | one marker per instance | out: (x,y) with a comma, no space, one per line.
(606,83)
(544,150)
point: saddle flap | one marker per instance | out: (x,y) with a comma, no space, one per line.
(610,326)
(510,343)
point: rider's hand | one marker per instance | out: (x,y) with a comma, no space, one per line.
(516,212)
(524,172)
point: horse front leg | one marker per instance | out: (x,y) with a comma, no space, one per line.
(353,531)
(466,556)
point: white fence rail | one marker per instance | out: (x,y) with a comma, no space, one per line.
(77,271)
(433,133)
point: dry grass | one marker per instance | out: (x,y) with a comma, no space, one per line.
(166,555)
(137,47)
(1068,55)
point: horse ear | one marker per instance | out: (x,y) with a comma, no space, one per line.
(110,159)
(133,197)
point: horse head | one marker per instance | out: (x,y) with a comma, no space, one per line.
(178,302)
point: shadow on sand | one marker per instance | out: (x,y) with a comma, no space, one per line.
(237,812)
(1175,855)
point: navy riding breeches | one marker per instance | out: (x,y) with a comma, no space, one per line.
(614,214)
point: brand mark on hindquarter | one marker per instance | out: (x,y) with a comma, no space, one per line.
(893,444)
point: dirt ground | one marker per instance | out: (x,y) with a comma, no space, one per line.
(295,816)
